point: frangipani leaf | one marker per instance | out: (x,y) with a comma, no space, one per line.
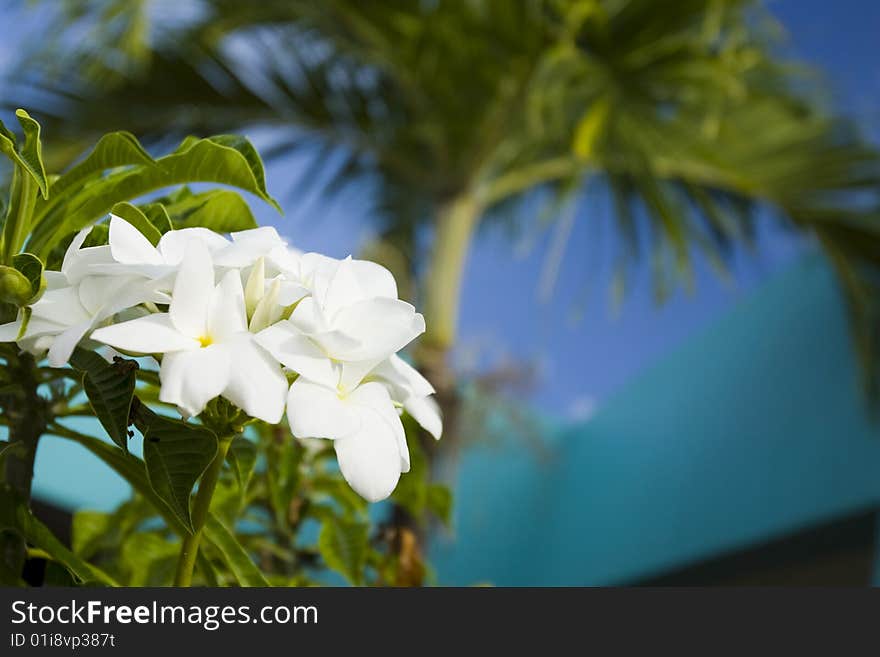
(221,210)
(234,555)
(29,157)
(242,456)
(15,515)
(110,389)
(344,545)
(176,454)
(224,159)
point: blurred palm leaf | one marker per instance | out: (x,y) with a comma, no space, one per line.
(682,110)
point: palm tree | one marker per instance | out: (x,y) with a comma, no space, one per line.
(460,110)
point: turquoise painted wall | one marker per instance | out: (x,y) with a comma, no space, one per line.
(749,431)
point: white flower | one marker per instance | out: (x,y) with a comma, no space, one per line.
(347,327)
(366,431)
(338,324)
(133,254)
(76,300)
(249,245)
(207,348)
(413,391)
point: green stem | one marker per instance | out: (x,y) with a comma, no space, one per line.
(189,550)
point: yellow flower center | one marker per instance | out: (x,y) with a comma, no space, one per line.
(206,341)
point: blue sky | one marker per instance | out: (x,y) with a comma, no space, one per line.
(583,352)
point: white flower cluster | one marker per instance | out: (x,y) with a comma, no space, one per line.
(241,314)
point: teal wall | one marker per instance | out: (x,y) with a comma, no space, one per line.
(749,431)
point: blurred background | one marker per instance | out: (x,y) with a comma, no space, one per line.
(645,236)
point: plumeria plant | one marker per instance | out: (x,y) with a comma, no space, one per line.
(178,319)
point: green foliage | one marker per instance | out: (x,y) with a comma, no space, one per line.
(233,554)
(15,516)
(28,178)
(29,156)
(92,195)
(176,454)
(110,389)
(221,210)
(344,546)
(242,458)
(113,150)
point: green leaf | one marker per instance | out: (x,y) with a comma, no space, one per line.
(89,530)
(234,555)
(110,389)
(14,514)
(439,501)
(28,158)
(225,160)
(31,267)
(221,210)
(99,235)
(113,150)
(242,457)
(57,575)
(176,454)
(158,216)
(589,131)
(139,220)
(31,153)
(344,545)
(149,558)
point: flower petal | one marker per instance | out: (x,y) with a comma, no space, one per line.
(426,412)
(294,350)
(226,314)
(316,411)
(247,246)
(370,458)
(404,379)
(382,326)
(64,344)
(190,379)
(61,306)
(172,246)
(103,296)
(79,262)
(129,246)
(153,334)
(193,290)
(374,398)
(256,384)
(374,279)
